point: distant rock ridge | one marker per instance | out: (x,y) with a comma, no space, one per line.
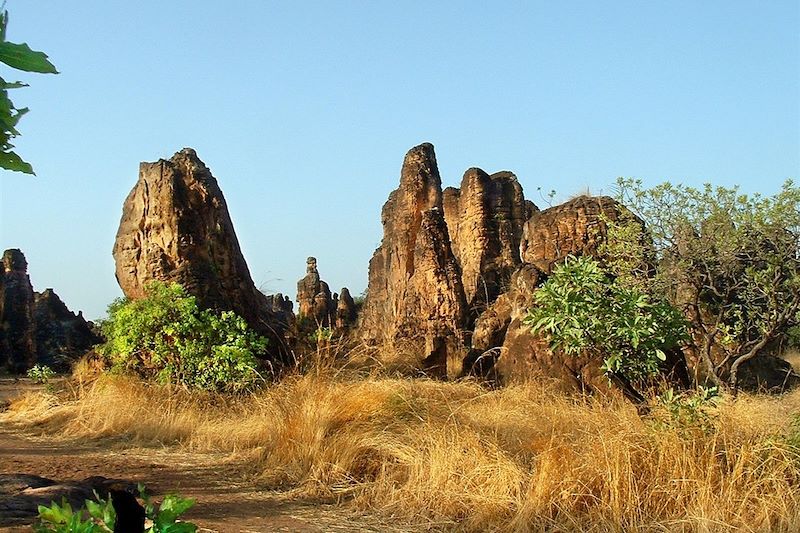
(36,328)
(175,227)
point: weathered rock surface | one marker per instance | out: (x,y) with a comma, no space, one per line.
(61,335)
(576,227)
(314,298)
(17,328)
(175,227)
(415,306)
(485,218)
(345,309)
(37,327)
(21,494)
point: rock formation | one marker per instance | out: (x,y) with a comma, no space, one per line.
(345,309)
(17,329)
(577,227)
(36,327)
(314,298)
(61,335)
(415,308)
(485,218)
(175,227)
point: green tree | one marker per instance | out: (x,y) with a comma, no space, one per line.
(20,57)
(167,337)
(729,261)
(584,309)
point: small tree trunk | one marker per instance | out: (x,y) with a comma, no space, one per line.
(734,377)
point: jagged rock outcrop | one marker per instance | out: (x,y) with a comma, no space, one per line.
(17,328)
(577,227)
(345,309)
(175,227)
(485,217)
(314,298)
(61,335)
(37,327)
(415,308)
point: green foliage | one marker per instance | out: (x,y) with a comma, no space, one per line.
(167,337)
(98,516)
(41,374)
(729,261)
(20,57)
(583,309)
(164,517)
(690,410)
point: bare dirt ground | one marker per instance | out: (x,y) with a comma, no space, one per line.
(226,503)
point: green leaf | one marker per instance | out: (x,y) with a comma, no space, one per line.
(21,57)
(11,161)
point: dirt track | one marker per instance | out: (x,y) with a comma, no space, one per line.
(225,503)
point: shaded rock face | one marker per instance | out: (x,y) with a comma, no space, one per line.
(17,328)
(485,218)
(22,494)
(37,327)
(314,297)
(415,307)
(345,309)
(61,335)
(175,227)
(577,227)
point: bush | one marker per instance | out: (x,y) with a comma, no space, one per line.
(41,374)
(167,337)
(99,516)
(583,309)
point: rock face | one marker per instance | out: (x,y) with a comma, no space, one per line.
(576,227)
(314,297)
(485,218)
(17,329)
(415,307)
(175,227)
(61,335)
(36,327)
(345,309)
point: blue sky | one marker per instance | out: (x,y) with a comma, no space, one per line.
(304,110)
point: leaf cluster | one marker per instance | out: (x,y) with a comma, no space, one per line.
(582,309)
(165,336)
(20,57)
(99,516)
(41,374)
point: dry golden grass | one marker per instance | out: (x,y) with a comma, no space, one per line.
(456,456)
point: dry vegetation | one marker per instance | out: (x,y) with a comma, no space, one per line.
(458,456)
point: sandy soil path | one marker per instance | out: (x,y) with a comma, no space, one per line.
(225,502)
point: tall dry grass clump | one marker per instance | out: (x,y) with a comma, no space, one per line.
(458,456)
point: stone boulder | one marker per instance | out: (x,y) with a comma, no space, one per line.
(415,307)
(22,494)
(577,227)
(175,227)
(17,326)
(485,217)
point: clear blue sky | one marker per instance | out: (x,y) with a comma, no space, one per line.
(304,110)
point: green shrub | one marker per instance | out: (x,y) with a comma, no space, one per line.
(167,337)
(98,516)
(583,309)
(41,374)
